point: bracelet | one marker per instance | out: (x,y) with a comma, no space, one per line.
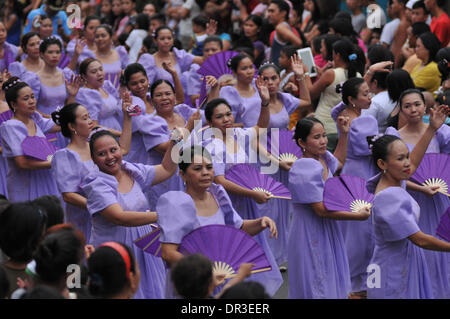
(298,78)
(265,105)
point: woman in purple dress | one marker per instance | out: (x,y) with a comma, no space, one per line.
(33,63)
(27,178)
(119,208)
(281,106)
(243,96)
(71,164)
(5,114)
(90,25)
(318,264)
(401,267)
(229,146)
(114,60)
(8,52)
(180,59)
(203,203)
(432,203)
(100,96)
(354,154)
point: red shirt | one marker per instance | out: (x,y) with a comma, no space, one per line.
(441,28)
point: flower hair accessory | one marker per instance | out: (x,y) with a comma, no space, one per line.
(10,85)
(134,110)
(352,57)
(374,139)
(95,130)
(57,115)
(229,63)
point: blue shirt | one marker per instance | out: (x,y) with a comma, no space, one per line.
(60,17)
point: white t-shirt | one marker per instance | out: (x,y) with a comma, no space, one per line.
(134,42)
(185,25)
(380,108)
(387,35)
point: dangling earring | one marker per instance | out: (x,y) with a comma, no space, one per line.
(384,171)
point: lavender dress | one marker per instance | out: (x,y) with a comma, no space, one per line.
(154,131)
(246,207)
(24,185)
(3,160)
(402,265)
(9,56)
(179,217)
(245,109)
(102,192)
(70,49)
(69,172)
(358,235)
(280,210)
(317,256)
(431,211)
(107,111)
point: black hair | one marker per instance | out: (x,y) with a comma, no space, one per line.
(4,284)
(21,228)
(91,18)
(211,106)
(441,3)
(347,50)
(443,59)
(317,43)
(159,16)
(26,37)
(68,114)
(132,69)
(282,6)
(122,38)
(246,290)
(11,87)
(233,63)
(380,148)
(163,27)
(106,27)
(303,128)
(42,292)
(158,83)
(408,92)
(142,22)
(51,204)
(379,53)
(201,20)
(350,88)
(184,163)
(290,50)
(192,275)
(56,251)
(343,15)
(330,39)
(107,271)
(95,136)
(48,42)
(421,5)
(443,98)
(267,66)
(214,38)
(431,43)
(149,44)
(420,27)
(343,27)
(249,52)
(398,81)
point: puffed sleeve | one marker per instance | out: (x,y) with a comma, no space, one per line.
(232,96)
(17,69)
(10,53)
(148,62)
(66,170)
(443,137)
(101,191)
(33,80)
(154,130)
(143,174)
(177,216)
(216,148)
(111,89)
(305,181)
(186,112)
(336,110)
(123,56)
(12,134)
(67,73)
(290,102)
(45,124)
(360,128)
(193,82)
(184,59)
(231,216)
(392,131)
(92,100)
(393,211)
(70,48)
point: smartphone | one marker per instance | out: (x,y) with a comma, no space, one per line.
(306,55)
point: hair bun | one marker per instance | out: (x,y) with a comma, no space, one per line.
(339,88)
(229,62)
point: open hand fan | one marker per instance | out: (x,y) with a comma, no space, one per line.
(38,147)
(346,193)
(227,247)
(443,229)
(283,146)
(216,65)
(434,170)
(249,177)
(203,94)
(150,243)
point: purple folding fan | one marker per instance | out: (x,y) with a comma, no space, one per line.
(38,147)
(283,146)
(443,229)
(216,65)
(227,247)
(150,243)
(434,170)
(346,193)
(203,94)
(249,177)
